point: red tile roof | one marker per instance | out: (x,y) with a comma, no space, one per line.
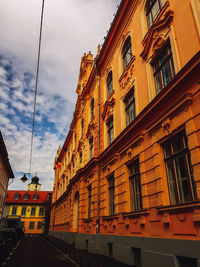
(43,196)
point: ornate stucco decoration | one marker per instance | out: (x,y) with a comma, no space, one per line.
(126,79)
(166,125)
(80,145)
(108,108)
(90,129)
(155,37)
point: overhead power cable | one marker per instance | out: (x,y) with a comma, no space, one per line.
(36,84)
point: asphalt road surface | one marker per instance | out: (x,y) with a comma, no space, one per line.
(36,251)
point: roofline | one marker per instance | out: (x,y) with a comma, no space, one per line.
(4,153)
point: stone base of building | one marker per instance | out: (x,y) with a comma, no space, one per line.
(138,251)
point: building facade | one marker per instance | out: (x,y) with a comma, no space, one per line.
(127,179)
(31,206)
(5,173)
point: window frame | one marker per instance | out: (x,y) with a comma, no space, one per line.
(33,209)
(41,211)
(39,224)
(136,199)
(110,130)
(150,4)
(14,211)
(89,188)
(22,211)
(91,146)
(109,84)
(31,225)
(173,169)
(127,54)
(111,194)
(128,105)
(163,58)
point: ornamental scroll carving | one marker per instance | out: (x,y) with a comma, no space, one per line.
(108,108)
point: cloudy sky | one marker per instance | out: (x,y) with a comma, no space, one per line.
(70,28)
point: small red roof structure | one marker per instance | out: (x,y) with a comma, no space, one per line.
(37,197)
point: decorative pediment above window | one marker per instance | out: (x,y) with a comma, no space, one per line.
(126,78)
(155,37)
(90,130)
(80,145)
(108,108)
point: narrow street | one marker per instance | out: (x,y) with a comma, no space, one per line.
(37,251)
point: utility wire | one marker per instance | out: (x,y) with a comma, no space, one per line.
(36,84)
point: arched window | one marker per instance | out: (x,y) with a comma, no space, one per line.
(35,196)
(153,8)
(126,52)
(109,83)
(17,196)
(26,196)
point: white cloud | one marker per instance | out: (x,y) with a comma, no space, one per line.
(70,28)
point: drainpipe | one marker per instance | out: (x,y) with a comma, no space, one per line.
(99,169)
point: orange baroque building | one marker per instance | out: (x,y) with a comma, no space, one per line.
(127,178)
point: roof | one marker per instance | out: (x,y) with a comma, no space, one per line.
(43,196)
(4,154)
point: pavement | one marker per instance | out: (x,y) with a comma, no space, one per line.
(36,251)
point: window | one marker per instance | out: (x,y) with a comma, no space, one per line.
(23,211)
(163,68)
(14,210)
(31,225)
(89,200)
(41,211)
(81,157)
(82,127)
(109,83)
(33,211)
(92,109)
(35,196)
(130,107)
(179,170)
(135,186)
(111,192)
(91,147)
(26,196)
(126,52)
(17,196)
(153,8)
(39,225)
(110,130)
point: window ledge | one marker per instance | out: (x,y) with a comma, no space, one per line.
(135,213)
(188,205)
(110,217)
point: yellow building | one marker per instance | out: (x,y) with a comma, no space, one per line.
(5,173)
(31,206)
(127,178)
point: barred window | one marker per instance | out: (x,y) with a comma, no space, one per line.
(14,210)
(33,211)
